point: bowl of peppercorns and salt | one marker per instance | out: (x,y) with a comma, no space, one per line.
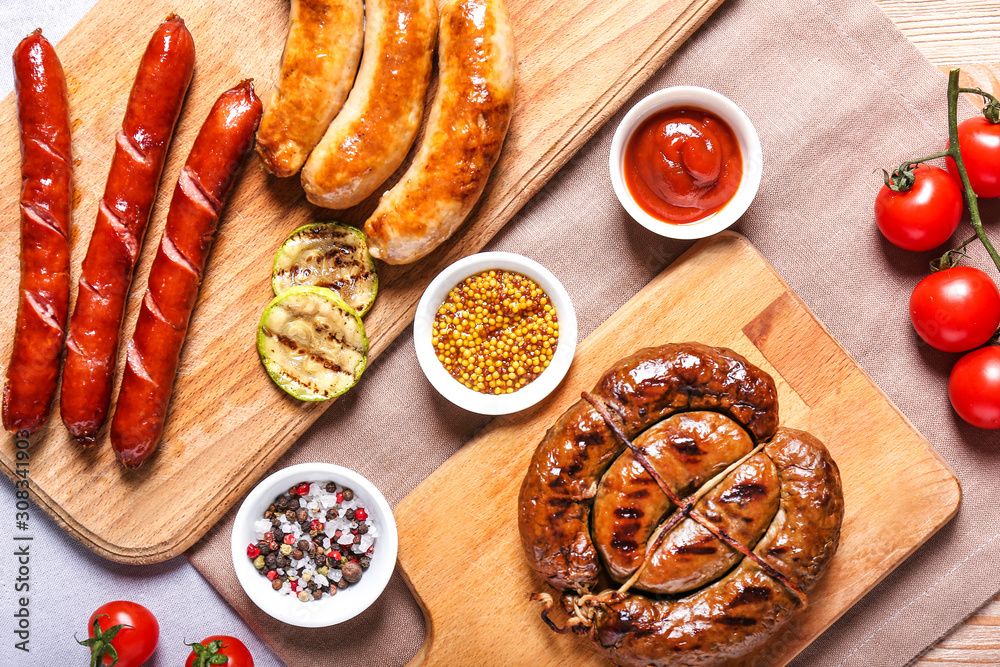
(495,333)
(314,544)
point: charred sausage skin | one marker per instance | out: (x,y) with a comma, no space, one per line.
(46,202)
(154,105)
(563,476)
(223,143)
(740,611)
(784,502)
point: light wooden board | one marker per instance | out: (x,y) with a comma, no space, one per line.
(578,61)
(459,547)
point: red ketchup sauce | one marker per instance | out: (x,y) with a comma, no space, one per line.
(683,164)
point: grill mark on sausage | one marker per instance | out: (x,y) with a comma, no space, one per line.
(737,621)
(623,544)
(751,595)
(743,493)
(696,549)
(687,448)
(639,493)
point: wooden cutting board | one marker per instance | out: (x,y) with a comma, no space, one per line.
(578,61)
(459,549)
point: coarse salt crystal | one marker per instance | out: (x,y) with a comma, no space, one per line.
(346,538)
(321,580)
(366,541)
(326,542)
(260,527)
(315,489)
(335,575)
(303,502)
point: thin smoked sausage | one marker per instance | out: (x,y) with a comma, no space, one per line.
(46,201)
(140,151)
(222,145)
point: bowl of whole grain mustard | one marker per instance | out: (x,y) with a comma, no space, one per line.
(495,333)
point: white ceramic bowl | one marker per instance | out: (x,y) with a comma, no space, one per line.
(746,135)
(347,603)
(452,389)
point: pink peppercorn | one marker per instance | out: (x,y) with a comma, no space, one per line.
(289,539)
(360,514)
(272,575)
(252,551)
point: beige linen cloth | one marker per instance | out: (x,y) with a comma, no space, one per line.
(834,91)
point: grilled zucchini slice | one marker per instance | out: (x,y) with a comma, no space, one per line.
(331,255)
(312,343)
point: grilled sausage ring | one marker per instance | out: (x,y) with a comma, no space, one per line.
(712,504)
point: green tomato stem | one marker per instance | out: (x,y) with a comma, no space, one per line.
(955,153)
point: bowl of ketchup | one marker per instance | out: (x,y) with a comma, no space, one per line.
(686,162)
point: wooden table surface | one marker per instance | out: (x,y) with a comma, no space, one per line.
(949,33)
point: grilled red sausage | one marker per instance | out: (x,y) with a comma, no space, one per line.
(46,174)
(140,151)
(222,145)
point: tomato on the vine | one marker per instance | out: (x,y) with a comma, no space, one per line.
(956,309)
(979,140)
(924,216)
(122,633)
(203,654)
(974,387)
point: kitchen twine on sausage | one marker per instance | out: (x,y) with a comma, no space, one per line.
(582,605)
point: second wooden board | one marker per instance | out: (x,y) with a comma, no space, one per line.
(459,547)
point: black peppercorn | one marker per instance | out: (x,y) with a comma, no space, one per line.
(349,514)
(283,561)
(275,521)
(348,494)
(342,584)
(271,560)
(313,586)
(296,554)
(362,529)
(301,515)
(276,584)
(290,514)
(303,545)
(364,562)
(320,560)
(331,514)
(352,572)
(263,547)
(317,594)
(331,487)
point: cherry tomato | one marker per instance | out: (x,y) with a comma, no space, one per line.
(134,641)
(923,217)
(979,140)
(231,647)
(956,309)
(974,387)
